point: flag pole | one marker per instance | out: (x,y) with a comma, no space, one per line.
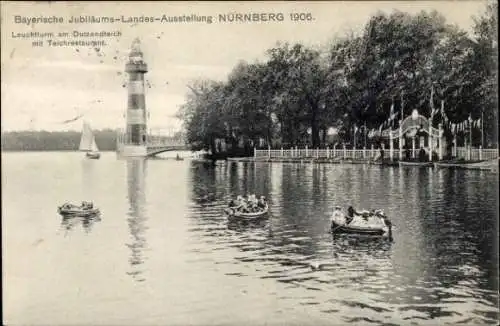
(354,141)
(402,105)
(364,130)
(470,131)
(482,130)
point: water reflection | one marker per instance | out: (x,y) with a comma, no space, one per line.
(68,223)
(88,178)
(136,175)
(245,226)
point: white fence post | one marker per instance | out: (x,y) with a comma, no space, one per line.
(282,151)
(306,151)
(254,152)
(327,152)
(345,153)
(454,154)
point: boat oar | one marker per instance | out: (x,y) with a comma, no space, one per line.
(332,230)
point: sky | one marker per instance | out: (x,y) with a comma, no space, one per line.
(42,87)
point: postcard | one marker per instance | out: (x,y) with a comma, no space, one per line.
(249,163)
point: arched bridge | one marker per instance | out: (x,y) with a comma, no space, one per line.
(154,149)
(157,144)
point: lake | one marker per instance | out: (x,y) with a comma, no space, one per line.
(163,253)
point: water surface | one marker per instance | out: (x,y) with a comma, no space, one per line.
(163,253)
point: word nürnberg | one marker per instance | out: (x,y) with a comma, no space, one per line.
(192,18)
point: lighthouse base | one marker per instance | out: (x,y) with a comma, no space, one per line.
(132,151)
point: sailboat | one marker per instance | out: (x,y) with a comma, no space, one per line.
(88,144)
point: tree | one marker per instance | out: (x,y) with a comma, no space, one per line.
(485,63)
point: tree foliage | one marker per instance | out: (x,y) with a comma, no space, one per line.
(298,93)
(59,140)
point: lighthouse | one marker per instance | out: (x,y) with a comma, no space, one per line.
(133,143)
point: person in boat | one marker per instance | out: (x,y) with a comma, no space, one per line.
(240,203)
(262,202)
(350,214)
(248,203)
(244,208)
(87,205)
(253,203)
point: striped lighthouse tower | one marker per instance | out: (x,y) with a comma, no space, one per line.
(134,142)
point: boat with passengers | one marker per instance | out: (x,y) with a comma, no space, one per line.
(365,222)
(249,208)
(84,210)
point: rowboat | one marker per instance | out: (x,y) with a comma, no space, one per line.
(365,223)
(93,156)
(73,210)
(416,164)
(233,213)
(488,165)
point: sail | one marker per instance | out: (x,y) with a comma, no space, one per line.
(94,147)
(87,142)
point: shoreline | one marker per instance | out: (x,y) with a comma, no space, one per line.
(488,165)
(484,165)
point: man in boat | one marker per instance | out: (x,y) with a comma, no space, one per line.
(262,202)
(350,214)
